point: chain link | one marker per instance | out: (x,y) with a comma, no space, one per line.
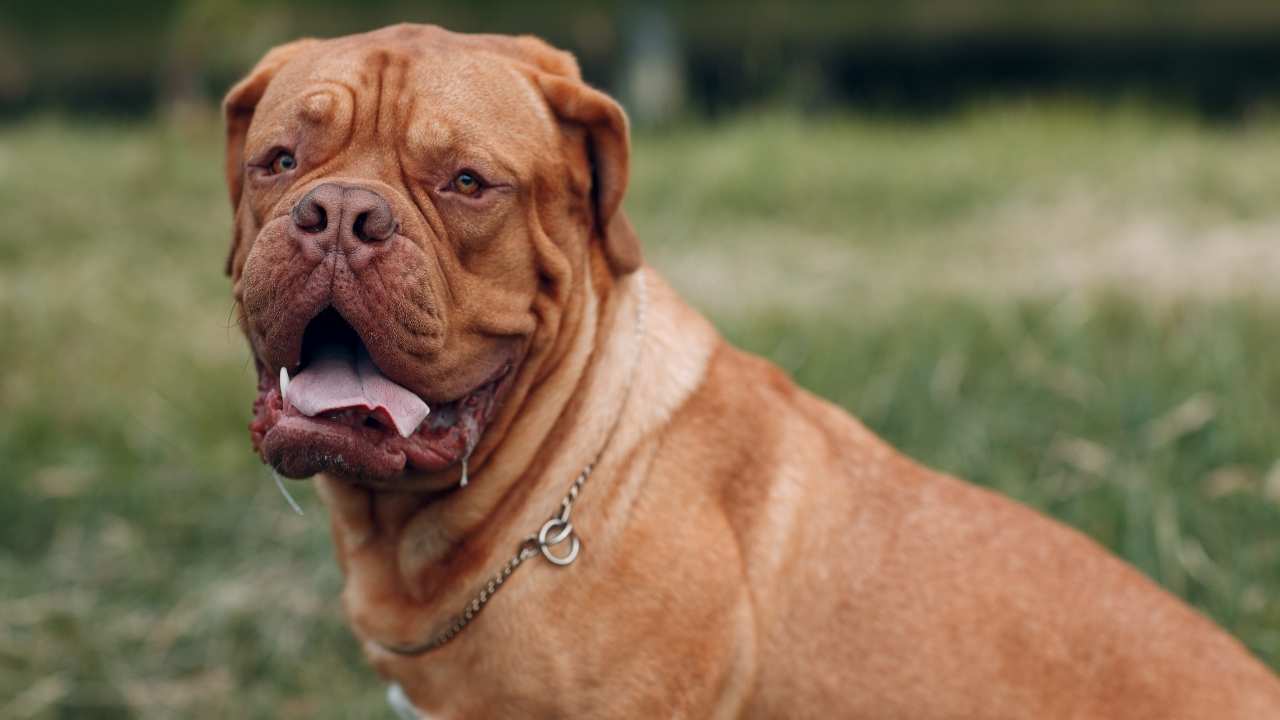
(559,524)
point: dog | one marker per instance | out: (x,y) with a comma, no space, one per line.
(556,492)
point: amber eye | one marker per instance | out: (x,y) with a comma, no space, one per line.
(467,183)
(283,162)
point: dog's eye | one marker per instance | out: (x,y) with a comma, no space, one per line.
(467,183)
(283,162)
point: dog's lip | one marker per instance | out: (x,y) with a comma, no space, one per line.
(299,446)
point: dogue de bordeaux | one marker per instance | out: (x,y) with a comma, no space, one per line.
(556,492)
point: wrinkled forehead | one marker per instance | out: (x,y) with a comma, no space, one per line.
(420,91)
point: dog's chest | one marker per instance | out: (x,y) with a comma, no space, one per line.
(399,702)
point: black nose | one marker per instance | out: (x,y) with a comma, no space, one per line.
(344,213)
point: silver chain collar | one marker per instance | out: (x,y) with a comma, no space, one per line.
(554,531)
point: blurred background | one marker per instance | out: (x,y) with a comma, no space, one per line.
(1031,243)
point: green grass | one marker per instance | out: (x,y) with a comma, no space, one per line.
(1075,306)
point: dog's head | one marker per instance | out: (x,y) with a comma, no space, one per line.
(413,209)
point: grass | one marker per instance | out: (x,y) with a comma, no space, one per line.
(1071,304)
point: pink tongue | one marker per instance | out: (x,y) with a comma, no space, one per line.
(340,377)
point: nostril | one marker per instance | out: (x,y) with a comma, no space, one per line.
(373,226)
(358,227)
(319,224)
(309,215)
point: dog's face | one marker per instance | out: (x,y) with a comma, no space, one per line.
(412,209)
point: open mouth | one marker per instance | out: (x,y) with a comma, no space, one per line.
(340,413)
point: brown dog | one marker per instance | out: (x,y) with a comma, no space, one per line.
(429,243)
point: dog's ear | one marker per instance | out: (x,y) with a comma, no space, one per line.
(237,111)
(609,150)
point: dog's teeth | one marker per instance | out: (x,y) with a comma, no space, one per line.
(419,425)
(284,382)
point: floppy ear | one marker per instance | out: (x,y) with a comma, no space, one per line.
(237,110)
(609,151)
